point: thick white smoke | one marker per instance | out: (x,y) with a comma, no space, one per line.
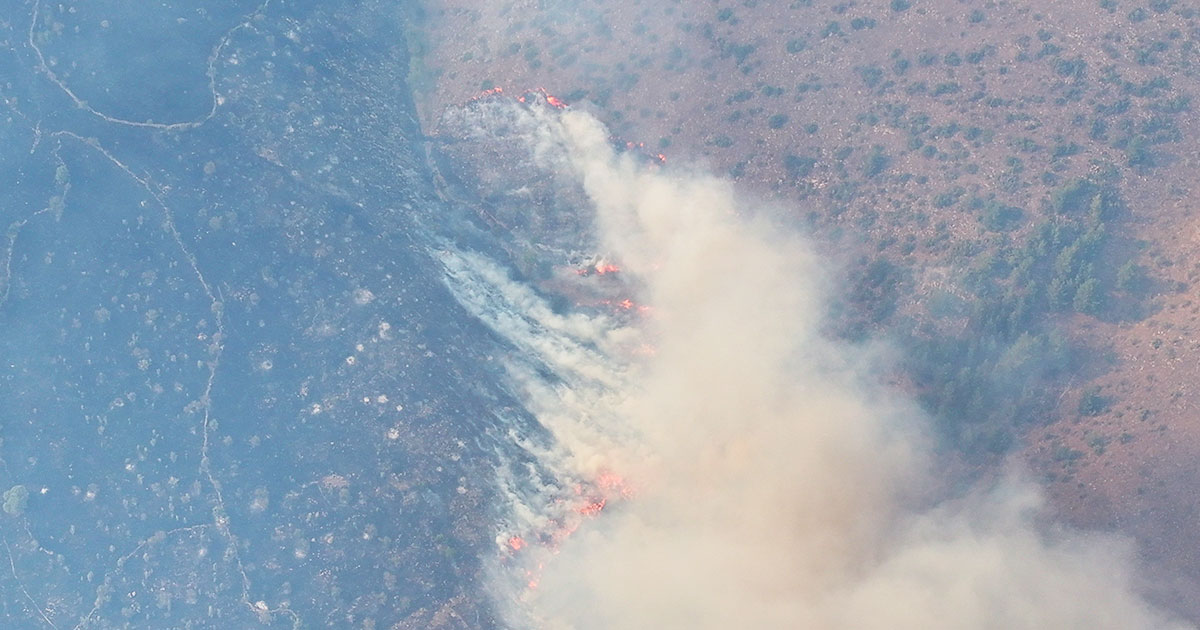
(767,480)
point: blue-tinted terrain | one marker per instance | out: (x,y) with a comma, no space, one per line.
(236,392)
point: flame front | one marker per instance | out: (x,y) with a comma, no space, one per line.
(591,499)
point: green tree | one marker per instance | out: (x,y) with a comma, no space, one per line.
(15,500)
(1087,297)
(1131,278)
(1058,292)
(1138,153)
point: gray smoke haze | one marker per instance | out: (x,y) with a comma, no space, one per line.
(767,479)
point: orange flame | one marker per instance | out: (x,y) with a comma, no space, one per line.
(626,304)
(551,100)
(486,93)
(609,480)
(609,485)
(594,496)
(631,145)
(533,577)
(599,268)
(592,508)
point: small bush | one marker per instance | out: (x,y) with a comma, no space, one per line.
(1092,403)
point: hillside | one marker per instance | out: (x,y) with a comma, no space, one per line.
(1007,185)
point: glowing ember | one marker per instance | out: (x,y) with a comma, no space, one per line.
(591,498)
(599,268)
(640,147)
(608,485)
(486,93)
(626,305)
(550,99)
(645,350)
(612,481)
(593,508)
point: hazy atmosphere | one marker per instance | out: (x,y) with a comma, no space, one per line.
(601,314)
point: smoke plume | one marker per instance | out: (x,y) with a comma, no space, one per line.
(714,461)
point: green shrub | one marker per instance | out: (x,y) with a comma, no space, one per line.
(831,29)
(798,166)
(1092,403)
(875,163)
